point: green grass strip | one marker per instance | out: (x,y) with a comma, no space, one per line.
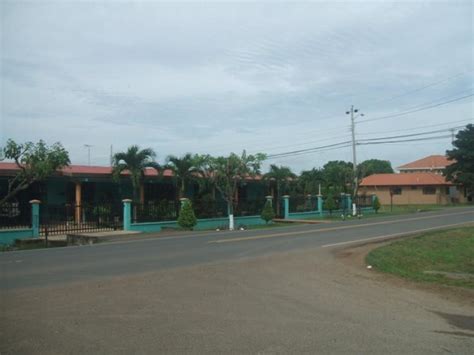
(442,257)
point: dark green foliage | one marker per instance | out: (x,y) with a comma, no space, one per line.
(186,218)
(185,169)
(135,161)
(462,170)
(330,203)
(376,204)
(309,181)
(36,161)
(267,213)
(279,177)
(338,176)
(374,166)
(227,173)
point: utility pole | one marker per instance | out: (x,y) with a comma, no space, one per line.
(452,135)
(88,146)
(354,156)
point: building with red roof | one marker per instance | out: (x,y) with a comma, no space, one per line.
(431,164)
(92,185)
(419,182)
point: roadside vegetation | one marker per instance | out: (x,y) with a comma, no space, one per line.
(441,257)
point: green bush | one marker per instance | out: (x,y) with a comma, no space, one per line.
(267,213)
(376,204)
(187,218)
(330,203)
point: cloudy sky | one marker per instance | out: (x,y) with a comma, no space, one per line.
(218,77)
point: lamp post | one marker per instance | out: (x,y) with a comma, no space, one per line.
(354,156)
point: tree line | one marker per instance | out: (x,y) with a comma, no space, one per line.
(37,161)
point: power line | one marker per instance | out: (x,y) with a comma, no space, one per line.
(406,140)
(368,133)
(327,138)
(307,150)
(411,135)
(416,110)
(424,126)
(420,88)
(369,141)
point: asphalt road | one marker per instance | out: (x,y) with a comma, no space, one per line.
(59,265)
(277,291)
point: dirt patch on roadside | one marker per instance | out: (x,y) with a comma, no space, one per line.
(355,256)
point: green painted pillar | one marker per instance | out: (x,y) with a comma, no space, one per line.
(286,206)
(35,223)
(320,205)
(127,214)
(348,201)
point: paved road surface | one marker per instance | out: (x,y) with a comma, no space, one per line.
(268,291)
(46,267)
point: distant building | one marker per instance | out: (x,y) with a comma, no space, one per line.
(93,185)
(432,164)
(419,182)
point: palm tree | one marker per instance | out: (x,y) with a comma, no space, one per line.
(184,170)
(135,161)
(280,176)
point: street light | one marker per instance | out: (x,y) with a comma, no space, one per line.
(354,158)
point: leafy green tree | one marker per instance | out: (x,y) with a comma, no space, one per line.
(35,161)
(280,177)
(267,213)
(374,166)
(338,176)
(202,168)
(184,170)
(462,170)
(309,181)
(227,173)
(376,204)
(330,203)
(135,161)
(187,218)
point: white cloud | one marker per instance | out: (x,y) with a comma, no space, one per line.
(227,76)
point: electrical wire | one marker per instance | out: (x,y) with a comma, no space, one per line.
(424,126)
(419,89)
(404,140)
(309,149)
(369,141)
(409,135)
(415,110)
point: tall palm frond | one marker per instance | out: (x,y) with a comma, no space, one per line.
(135,161)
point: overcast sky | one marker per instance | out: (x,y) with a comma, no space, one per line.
(221,77)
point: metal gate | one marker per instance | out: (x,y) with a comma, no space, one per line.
(68,218)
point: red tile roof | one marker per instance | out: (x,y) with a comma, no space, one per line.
(7,168)
(404,179)
(430,162)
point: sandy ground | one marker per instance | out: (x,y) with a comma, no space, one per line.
(318,301)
